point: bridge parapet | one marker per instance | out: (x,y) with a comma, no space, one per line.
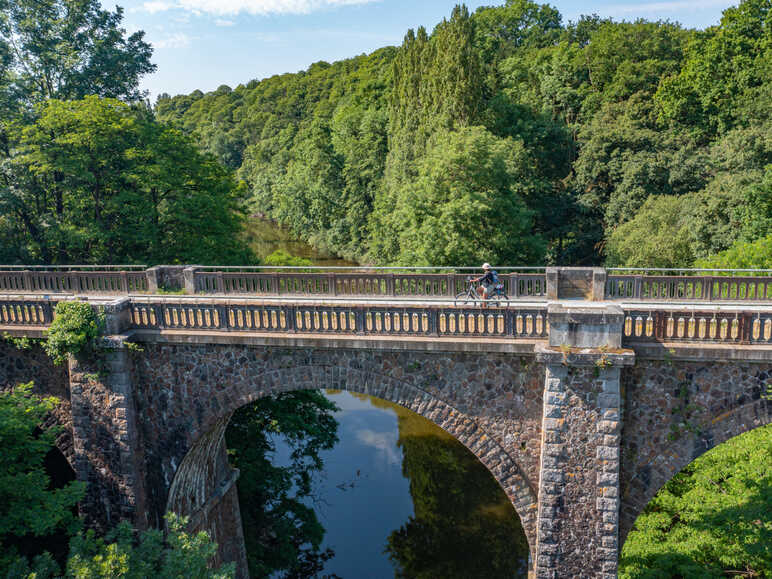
(717,324)
(520,284)
(739,324)
(340,317)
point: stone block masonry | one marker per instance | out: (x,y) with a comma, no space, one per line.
(107,448)
(579,440)
(579,479)
(677,410)
(491,403)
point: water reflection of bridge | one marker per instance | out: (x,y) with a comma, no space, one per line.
(569,393)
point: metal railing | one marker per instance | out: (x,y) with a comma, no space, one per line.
(688,288)
(528,283)
(73,281)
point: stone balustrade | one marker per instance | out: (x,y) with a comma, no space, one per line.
(717,325)
(383,319)
(688,288)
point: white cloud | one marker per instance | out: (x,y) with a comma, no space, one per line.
(176,40)
(383,442)
(659,7)
(157,6)
(262,7)
(223,22)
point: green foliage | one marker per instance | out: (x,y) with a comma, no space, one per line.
(75,328)
(711,520)
(599,117)
(281,531)
(742,255)
(29,507)
(281,257)
(22,343)
(120,555)
(466,204)
(658,236)
(99,181)
(724,66)
(64,49)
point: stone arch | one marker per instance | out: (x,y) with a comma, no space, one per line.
(199,478)
(735,406)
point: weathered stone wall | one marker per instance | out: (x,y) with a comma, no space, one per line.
(144,422)
(674,411)
(578,493)
(492,402)
(34,365)
(108,450)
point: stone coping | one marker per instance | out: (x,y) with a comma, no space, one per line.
(591,313)
(599,357)
(677,351)
(350,341)
(680,351)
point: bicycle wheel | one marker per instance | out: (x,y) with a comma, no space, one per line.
(500,297)
(463,298)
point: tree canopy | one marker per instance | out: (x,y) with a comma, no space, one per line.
(600,117)
(711,520)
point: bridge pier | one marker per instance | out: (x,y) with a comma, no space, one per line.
(106,444)
(578,520)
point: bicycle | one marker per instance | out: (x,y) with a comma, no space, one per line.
(471,295)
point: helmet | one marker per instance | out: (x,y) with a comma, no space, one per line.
(486,265)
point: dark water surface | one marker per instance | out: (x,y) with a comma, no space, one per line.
(264,237)
(400,497)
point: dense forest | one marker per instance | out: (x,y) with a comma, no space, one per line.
(507,135)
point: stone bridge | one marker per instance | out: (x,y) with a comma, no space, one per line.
(583,394)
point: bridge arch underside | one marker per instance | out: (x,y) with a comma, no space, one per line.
(677,411)
(491,403)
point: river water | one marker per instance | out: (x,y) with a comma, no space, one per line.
(400,497)
(265,236)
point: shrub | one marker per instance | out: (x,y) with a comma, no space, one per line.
(75,327)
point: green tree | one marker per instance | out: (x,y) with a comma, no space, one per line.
(121,555)
(711,520)
(658,236)
(29,508)
(99,181)
(742,255)
(67,49)
(724,65)
(502,30)
(281,531)
(467,204)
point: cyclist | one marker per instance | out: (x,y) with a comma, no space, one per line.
(488,281)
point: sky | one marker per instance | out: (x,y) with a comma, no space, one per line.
(202,44)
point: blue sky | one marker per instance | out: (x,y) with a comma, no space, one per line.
(205,43)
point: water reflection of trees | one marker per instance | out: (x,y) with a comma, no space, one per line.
(282,534)
(464,525)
